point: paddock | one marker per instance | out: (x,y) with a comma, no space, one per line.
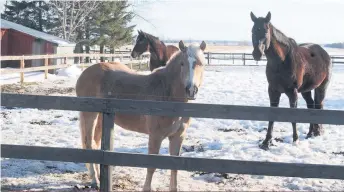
(208,138)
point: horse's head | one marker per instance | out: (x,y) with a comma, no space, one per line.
(141,46)
(261,36)
(191,67)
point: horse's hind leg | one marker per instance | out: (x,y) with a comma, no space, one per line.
(88,121)
(310,105)
(319,96)
(97,139)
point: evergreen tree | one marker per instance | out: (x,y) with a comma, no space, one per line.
(32,14)
(109,26)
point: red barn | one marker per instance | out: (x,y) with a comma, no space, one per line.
(20,40)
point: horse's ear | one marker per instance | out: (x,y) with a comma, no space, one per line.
(253,17)
(182,47)
(203,45)
(268,17)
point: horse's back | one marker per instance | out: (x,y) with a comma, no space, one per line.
(90,81)
(171,49)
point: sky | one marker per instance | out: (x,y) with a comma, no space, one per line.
(318,21)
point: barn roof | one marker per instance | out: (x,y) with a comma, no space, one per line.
(38,34)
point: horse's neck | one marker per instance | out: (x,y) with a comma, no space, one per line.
(280,60)
(158,48)
(278,49)
(167,82)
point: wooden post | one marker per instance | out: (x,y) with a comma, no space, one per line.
(46,62)
(107,145)
(22,66)
(233,57)
(81,64)
(208,58)
(244,58)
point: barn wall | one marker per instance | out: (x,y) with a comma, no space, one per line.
(19,44)
(4,41)
(4,45)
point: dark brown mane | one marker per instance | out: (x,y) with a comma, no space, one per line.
(291,46)
(160,53)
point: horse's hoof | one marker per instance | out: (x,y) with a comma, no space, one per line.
(309,135)
(95,186)
(317,133)
(296,143)
(264,146)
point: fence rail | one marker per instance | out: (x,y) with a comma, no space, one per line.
(129,61)
(109,107)
(173,162)
(244,57)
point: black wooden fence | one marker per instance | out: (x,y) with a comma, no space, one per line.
(107,158)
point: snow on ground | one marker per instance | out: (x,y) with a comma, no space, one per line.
(211,138)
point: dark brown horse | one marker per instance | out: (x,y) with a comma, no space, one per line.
(291,69)
(159,52)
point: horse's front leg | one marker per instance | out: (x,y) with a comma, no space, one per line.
(274,97)
(292,95)
(154,145)
(176,141)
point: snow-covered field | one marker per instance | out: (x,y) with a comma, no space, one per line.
(211,138)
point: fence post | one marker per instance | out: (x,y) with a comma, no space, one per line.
(208,58)
(46,70)
(244,58)
(22,66)
(81,64)
(233,57)
(107,145)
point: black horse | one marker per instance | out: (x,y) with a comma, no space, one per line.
(159,52)
(291,69)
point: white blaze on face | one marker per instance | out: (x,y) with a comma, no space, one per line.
(191,59)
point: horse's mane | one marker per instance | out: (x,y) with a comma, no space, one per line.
(290,44)
(152,41)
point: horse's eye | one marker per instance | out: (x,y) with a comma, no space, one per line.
(182,63)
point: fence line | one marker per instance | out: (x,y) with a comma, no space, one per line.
(80,64)
(173,162)
(109,107)
(336,59)
(174,109)
(30,57)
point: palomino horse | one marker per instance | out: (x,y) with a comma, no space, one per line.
(291,69)
(178,81)
(159,52)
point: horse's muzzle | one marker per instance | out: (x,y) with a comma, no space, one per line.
(191,92)
(257,54)
(134,54)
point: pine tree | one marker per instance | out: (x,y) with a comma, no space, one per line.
(32,14)
(110,25)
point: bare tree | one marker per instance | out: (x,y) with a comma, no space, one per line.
(72,15)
